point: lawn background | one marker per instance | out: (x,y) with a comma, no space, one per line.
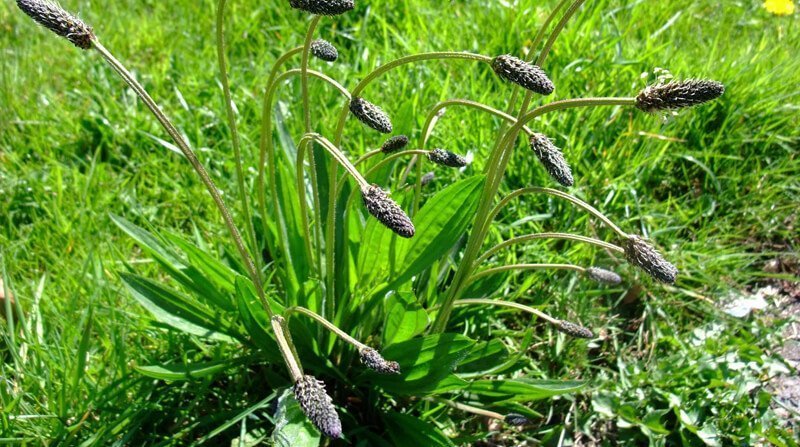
(717,187)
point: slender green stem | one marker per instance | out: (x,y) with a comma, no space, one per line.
(337,155)
(237,151)
(304,67)
(268,152)
(573,8)
(560,194)
(518,306)
(328,325)
(433,118)
(198,167)
(266,161)
(389,158)
(506,268)
(495,173)
(531,237)
(442,55)
(286,347)
(466,408)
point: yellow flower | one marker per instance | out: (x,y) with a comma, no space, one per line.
(779,7)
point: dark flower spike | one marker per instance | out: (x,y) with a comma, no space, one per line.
(643,255)
(322,49)
(679,94)
(387,211)
(603,275)
(318,406)
(524,74)
(427,178)
(54,18)
(516,419)
(371,115)
(574,330)
(323,7)
(394,144)
(374,361)
(552,159)
(447,158)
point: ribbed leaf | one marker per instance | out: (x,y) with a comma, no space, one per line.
(523,390)
(185,372)
(424,362)
(176,310)
(292,427)
(440,224)
(408,430)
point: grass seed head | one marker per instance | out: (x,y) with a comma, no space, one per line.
(524,74)
(643,255)
(374,361)
(679,94)
(322,49)
(371,115)
(447,158)
(54,18)
(516,419)
(552,159)
(323,7)
(387,211)
(574,330)
(318,406)
(394,144)
(603,275)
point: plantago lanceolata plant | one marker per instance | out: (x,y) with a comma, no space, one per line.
(333,262)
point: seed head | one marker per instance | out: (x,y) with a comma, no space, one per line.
(322,49)
(323,7)
(603,275)
(677,95)
(318,406)
(516,419)
(574,330)
(374,361)
(371,115)
(427,178)
(552,159)
(446,158)
(54,18)
(394,144)
(643,255)
(522,73)
(387,211)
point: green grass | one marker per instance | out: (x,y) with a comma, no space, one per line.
(716,187)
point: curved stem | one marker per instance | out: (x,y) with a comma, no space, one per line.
(560,194)
(237,151)
(389,158)
(304,67)
(198,167)
(266,161)
(531,237)
(367,156)
(467,408)
(441,55)
(518,306)
(505,268)
(573,8)
(286,347)
(328,325)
